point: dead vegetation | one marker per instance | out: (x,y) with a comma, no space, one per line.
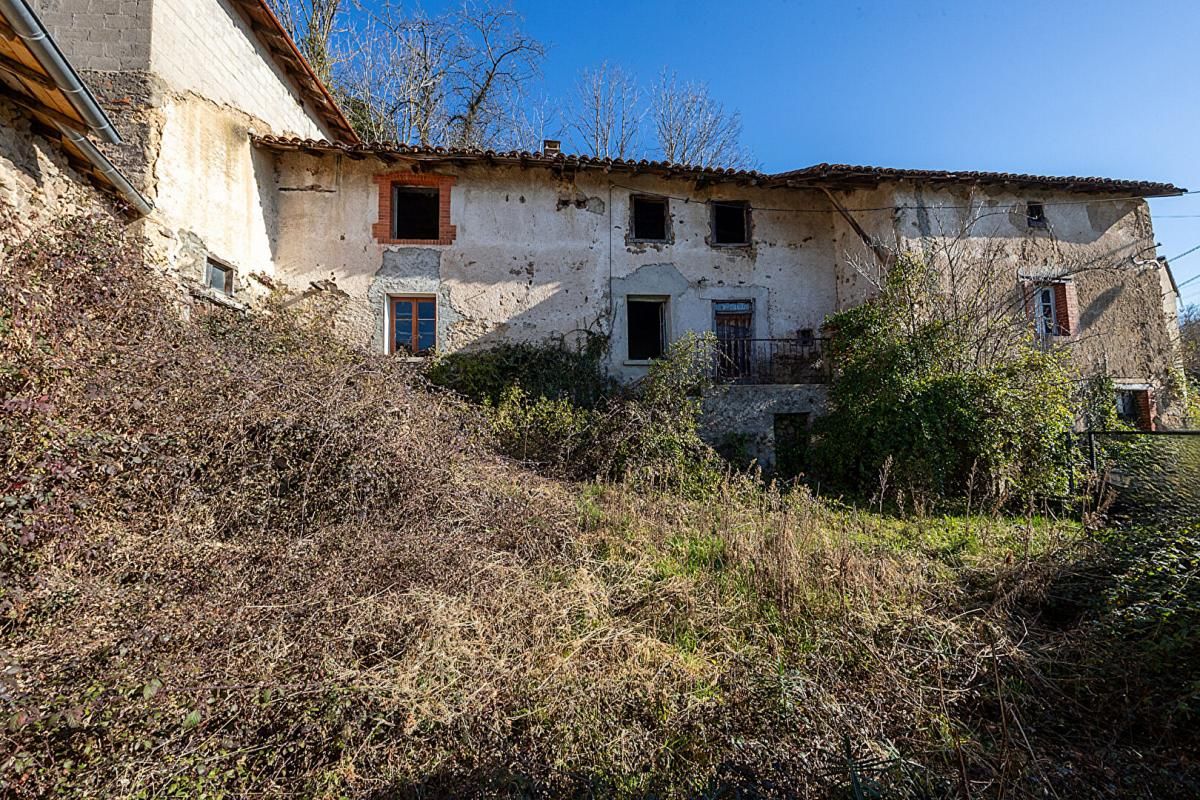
(242,560)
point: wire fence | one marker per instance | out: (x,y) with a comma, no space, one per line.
(1150,476)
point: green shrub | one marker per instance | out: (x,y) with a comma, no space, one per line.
(551,370)
(913,409)
(651,435)
(647,433)
(539,429)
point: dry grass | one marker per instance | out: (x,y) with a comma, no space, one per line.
(241,560)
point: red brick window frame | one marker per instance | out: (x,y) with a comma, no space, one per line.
(1137,407)
(1065,305)
(384,231)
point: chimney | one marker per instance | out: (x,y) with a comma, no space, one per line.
(551,147)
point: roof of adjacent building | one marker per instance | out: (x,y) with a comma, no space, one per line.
(36,77)
(852,176)
(274,36)
(820,175)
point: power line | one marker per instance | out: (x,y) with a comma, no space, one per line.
(685,199)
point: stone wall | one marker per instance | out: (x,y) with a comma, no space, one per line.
(36,183)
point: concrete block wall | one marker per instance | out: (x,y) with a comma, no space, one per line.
(207,48)
(106,35)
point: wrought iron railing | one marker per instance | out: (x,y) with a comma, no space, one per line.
(750,361)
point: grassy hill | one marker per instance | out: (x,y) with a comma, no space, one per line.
(240,559)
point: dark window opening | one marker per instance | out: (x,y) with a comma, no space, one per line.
(1035,215)
(219,277)
(647,328)
(650,219)
(730,223)
(415,211)
(1134,407)
(414,321)
(791,445)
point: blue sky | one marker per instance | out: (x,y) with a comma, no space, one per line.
(1059,87)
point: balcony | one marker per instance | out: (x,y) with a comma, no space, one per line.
(761,361)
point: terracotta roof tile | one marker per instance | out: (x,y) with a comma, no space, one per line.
(849,175)
(826,175)
(392,151)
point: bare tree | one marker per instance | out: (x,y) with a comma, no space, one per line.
(311,24)
(459,78)
(496,60)
(694,128)
(1189,335)
(535,119)
(606,116)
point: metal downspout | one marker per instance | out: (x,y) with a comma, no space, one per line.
(100,162)
(33,33)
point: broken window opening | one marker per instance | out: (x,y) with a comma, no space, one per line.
(414,325)
(647,320)
(1135,407)
(730,223)
(219,276)
(1045,310)
(1035,215)
(649,218)
(415,212)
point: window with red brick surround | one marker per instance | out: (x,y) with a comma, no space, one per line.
(384,228)
(1064,307)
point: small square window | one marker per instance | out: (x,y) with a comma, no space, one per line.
(647,321)
(415,212)
(1035,215)
(219,276)
(730,223)
(649,218)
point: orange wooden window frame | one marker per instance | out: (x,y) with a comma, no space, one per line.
(414,336)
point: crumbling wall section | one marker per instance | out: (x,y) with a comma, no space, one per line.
(36,182)
(740,420)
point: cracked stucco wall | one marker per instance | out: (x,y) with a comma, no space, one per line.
(186,82)
(533,254)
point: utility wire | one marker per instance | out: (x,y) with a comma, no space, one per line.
(684,199)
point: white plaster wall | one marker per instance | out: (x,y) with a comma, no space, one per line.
(536,255)
(205,47)
(213,187)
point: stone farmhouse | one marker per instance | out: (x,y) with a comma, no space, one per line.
(225,152)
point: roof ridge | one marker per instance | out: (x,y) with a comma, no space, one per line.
(816,174)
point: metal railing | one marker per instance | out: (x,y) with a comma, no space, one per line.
(758,361)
